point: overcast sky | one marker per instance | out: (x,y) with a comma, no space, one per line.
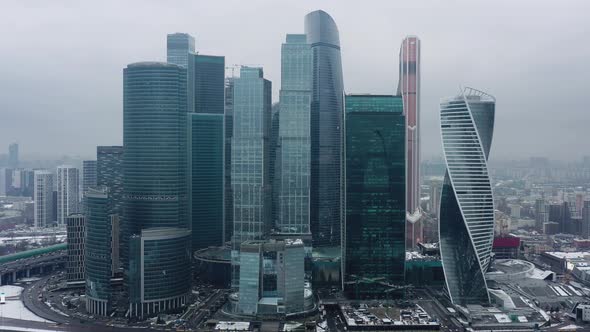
(62,61)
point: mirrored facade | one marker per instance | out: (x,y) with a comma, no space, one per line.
(155,179)
(250,160)
(326,195)
(466,224)
(294,136)
(374,248)
(178,47)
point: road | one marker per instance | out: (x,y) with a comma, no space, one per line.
(30,295)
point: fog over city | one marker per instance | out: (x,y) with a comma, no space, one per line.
(61,79)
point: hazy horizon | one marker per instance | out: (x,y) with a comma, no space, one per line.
(61,82)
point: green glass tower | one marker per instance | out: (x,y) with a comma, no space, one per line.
(374,248)
(206,75)
(155,181)
(101,249)
(206,144)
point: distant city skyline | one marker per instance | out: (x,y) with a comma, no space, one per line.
(83,83)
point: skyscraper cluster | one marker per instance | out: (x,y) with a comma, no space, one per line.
(208,160)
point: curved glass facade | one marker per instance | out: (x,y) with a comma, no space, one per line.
(294,130)
(155,177)
(154,139)
(160,270)
(326,185)
(466,226)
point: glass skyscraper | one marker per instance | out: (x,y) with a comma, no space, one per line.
(374,232)
(250,154)
(109,173)
(206,149)
(99,250)
(178,47)
(229,129)
(205,143)
(409,89)
(466,224)
(155,182)
(326,184)
(294,136)
(88,174)
(206,82)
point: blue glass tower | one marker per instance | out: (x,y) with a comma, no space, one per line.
(466,223)
(326,194)
(178,47)
(250,160)
(294,136)
(155,182)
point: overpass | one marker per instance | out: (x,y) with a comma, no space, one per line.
(31,262)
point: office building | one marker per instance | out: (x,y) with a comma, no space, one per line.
(206,83)
(206,187)
(274,163)
(76,238)
(44,199)
(327,112)
(374,247)
(272,278)
(229,128)
(206,149)
(102,250)
(294,136)
(88,174)
(109,173)
(155,184)
(160,271)
(178,47)
(250,154)
(409,89)
(13,155)
(67,192)
(467,206)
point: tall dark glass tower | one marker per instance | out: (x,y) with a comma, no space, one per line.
(155,184)
(206,149)
(100,242)
(205,142)
(326,185)
(207,83)
(374,232)
(466,223)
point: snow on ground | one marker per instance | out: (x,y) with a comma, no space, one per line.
(14,307)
